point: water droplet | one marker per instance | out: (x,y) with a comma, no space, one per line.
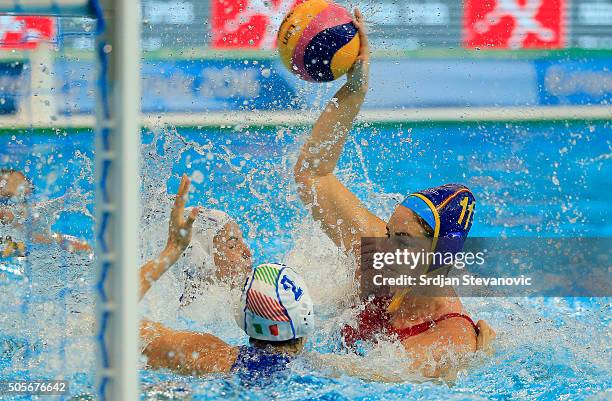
(197,177)
(555,180)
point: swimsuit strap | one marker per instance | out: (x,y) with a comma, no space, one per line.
(423,327)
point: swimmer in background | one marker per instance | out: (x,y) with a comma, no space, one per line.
(275,311)
(15,221)
(431,329)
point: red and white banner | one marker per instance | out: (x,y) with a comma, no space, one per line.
(247,24)
(514,24)
(17,32)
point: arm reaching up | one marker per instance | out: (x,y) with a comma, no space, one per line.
(184,352)
(179,236)
(322,150)
(343,217)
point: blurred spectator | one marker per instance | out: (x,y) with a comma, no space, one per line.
(16,222)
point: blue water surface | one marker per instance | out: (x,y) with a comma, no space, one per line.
(545,179)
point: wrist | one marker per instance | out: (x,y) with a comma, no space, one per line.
(357,88)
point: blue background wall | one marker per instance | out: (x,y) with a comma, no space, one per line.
(264,84)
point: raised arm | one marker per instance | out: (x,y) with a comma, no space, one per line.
(184,352)
(343,217)
(179,236)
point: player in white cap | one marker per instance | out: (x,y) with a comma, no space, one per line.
(217,251)
(275,311)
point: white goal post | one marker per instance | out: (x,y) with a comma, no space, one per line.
(117,185)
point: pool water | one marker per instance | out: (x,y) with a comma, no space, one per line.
(545,179)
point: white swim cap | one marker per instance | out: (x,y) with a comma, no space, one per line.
(206,226)
(275,304)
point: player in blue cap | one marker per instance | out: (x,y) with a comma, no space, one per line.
(428,327)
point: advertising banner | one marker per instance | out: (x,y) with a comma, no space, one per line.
(591,24)
(264,84)
(247,24)
(412,24)
(187,86)
(25,32)
(403,25)
(514,24)
(451,82)
(214,85)
(173,24)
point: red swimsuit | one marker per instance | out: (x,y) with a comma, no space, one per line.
(375,319)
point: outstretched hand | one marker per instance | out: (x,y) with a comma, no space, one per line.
(179,231)
(358,75)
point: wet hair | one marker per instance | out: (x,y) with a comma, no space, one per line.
(9,171)
(289,346)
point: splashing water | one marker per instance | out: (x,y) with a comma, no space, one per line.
(546,349)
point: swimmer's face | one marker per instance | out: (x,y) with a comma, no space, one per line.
(404,222)
(232,255)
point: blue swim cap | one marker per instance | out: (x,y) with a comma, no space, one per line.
(449,211)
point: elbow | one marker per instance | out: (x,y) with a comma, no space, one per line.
(300,171)
(302,175)
(304,182)
(309,169)
(304,189)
